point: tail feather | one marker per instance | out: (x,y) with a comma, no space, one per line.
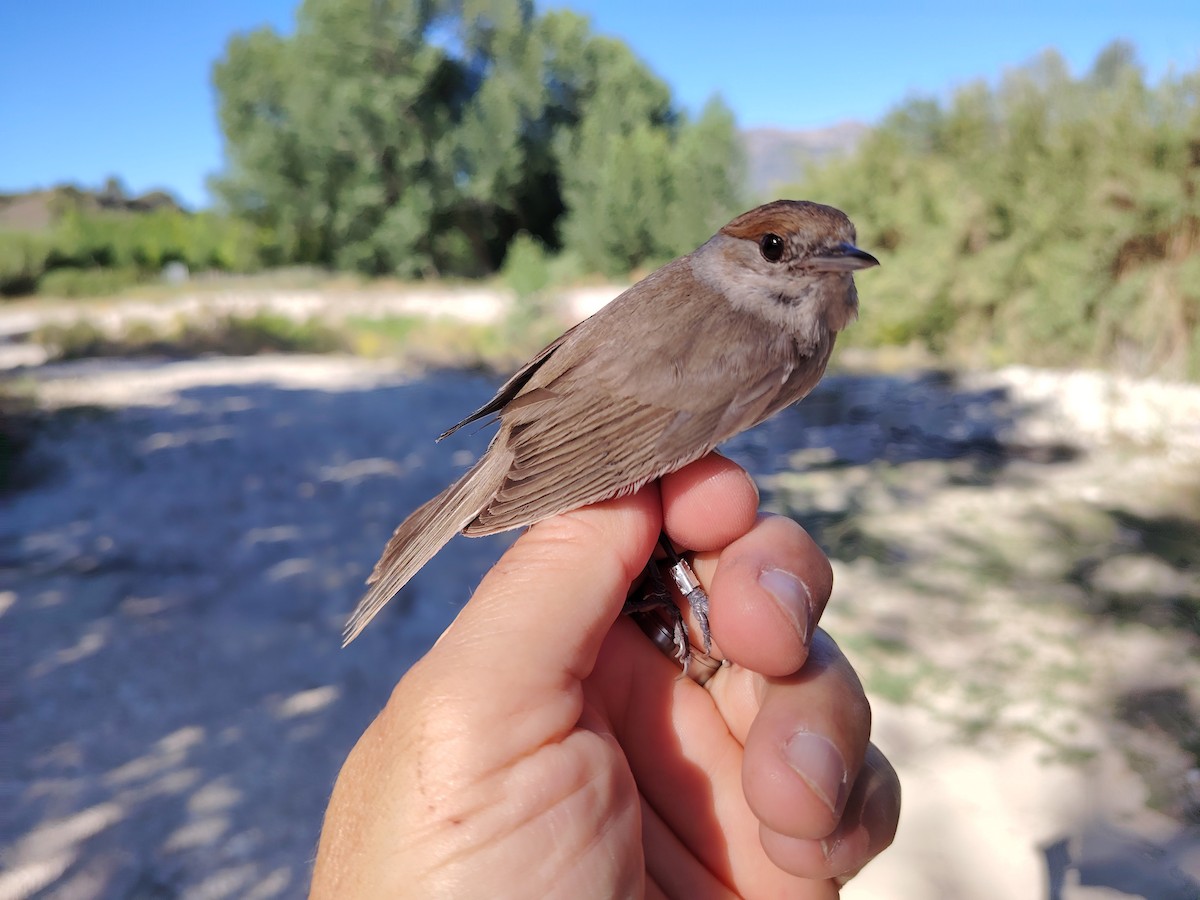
(422,535)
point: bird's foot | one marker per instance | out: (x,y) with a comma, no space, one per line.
(655,595)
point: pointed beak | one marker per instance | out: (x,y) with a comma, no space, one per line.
(843,258)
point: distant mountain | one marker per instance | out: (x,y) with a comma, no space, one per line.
(775,157)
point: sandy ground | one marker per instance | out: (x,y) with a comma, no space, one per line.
(176,569)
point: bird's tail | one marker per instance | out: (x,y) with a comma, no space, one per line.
(423,534)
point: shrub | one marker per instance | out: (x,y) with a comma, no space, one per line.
(90,282)
(23,258)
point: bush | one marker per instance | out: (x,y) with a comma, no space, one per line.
(92,282)
(23,258)
(229,335)
(75,340)
(260,333)
(1048,220)
(99,251)
(526,268)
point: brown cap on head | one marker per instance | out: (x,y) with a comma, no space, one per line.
(820,238)
(793,217)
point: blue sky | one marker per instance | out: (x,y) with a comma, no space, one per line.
(122,87)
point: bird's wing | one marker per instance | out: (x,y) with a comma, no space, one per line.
(509,391)
(583,433)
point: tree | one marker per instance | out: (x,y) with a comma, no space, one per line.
(333,134)
(1050,219)
(419,136)
(708,172)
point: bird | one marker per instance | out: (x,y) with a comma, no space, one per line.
(707,346)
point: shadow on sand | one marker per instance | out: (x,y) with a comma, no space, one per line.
(172,591)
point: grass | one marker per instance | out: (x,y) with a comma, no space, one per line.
(412,339)
(70,283)
(83,286)
(429,342)
(230,335)
(444,343)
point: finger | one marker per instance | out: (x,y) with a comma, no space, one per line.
(540,614)
(708,504)
(760,587)
(686,764)
(684,745)
(534,627)
(708,797)
(867,828)
(513,659)
(501,684)
(543,587)
(767,591)
(806,746)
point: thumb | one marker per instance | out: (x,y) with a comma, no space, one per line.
(539,617)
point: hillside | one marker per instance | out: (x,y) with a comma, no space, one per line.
(38,210)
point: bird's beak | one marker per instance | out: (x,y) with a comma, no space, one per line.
(843,258)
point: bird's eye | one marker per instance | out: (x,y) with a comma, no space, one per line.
(771,246)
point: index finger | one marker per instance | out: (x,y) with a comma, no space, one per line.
(708,504)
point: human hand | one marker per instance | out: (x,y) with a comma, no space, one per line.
(545,747)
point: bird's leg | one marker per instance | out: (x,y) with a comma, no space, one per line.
(689,585)
(655,595)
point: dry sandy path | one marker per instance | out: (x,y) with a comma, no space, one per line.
(173,581)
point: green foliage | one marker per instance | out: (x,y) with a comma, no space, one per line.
(412,137)
(91,251)
(380,336)
(526,269)
(74,340)
(438,342)
(262,332)
(641,183)
(148,241)
(1050,220)
(420,340)
(23,256)
(243,335)
(707,173)
(532,273)
(94,281)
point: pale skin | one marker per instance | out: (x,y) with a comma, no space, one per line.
(545,747)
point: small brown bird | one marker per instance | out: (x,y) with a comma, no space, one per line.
(709,345)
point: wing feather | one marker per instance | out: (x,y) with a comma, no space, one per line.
(591,430)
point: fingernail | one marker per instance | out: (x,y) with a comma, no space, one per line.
(757,495)
(850,822)
(792,596)
(830,846)
(867,814)
(819,763)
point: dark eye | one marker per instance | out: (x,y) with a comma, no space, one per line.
(771,246)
